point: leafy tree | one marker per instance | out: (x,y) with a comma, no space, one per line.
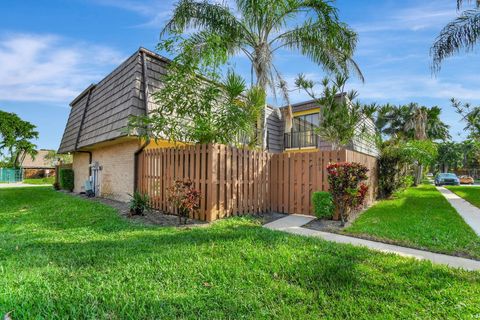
(471,154)
(461,33)
(341,119)
(15,136)
(411,121)
(52,156)
(470,115)
(192,108)
(450,155)
(259,28)
(395,159)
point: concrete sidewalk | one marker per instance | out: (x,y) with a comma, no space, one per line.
(22,185)
(468,211)
(293,224)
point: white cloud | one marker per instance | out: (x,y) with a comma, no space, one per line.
(156,12)
(413,88)
(427,15)
(49,68)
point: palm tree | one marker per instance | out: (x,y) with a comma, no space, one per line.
(412,121)
(461,33)
(259,28)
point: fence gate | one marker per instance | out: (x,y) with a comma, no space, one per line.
(295,176)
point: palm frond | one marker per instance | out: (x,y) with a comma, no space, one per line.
(330,46)
(460,3)
(462,33)
(212,17)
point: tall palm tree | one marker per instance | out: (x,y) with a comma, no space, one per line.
(415,122)
(412,121)
(461,33)
(259,28)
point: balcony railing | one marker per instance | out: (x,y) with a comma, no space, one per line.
(300,139)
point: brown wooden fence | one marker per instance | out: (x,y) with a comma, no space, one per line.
(238,181)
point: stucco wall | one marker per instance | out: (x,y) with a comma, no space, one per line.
(80,167)
(117,174)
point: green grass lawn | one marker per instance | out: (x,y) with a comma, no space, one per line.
(49,180)
(471,194)
(421,218)
(64,257)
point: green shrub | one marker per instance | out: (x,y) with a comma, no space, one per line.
(139,203)
(408,181)
(322,202)
(345,180)
(66,179)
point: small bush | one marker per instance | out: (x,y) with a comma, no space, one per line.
(322,202)
(66,179)
(56,186)
(348,190)
(139,203)
(184,198)
(408,181)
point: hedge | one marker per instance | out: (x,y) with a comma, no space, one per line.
(66,179)
(322,202)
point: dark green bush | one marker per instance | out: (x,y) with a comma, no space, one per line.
(389,175)
(66,179)
(139,203)
(322,202)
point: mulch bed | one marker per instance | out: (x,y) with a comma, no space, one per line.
(328,225)
(156,217)
(152,217)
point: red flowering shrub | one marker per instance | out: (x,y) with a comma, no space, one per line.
(184,198)
(346,186)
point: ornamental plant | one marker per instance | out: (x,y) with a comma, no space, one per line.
(139,202)
(184,199)
(323,206)
(347,188)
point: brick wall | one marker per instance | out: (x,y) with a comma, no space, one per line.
(117,174)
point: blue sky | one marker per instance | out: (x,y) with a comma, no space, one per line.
(51,50)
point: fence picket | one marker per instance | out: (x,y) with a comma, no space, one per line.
(235,181)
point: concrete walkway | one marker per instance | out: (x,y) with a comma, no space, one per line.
(293,224)
(22,185)
(468,211)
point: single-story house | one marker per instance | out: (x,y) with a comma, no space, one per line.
(39,166)
(95,132)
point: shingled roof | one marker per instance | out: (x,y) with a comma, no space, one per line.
(100,113)
(39,162)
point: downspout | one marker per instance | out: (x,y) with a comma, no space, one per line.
(145,99)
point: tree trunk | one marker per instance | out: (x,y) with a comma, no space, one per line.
(418,174)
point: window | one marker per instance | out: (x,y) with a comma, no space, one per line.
(306,122)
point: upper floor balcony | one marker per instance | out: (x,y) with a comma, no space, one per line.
(300,139)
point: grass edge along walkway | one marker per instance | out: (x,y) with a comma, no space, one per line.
(469,193)
(418,218)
